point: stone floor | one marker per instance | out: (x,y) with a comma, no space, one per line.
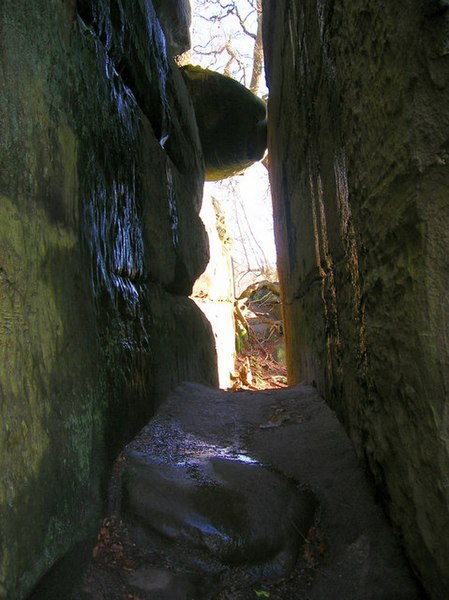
(239,496)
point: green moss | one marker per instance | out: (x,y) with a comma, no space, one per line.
(50,415)
(26,301)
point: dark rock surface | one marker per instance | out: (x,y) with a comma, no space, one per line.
(189,480)
(101,178)
(175,17)
(359,114)
(231,120)
(213,499)
(162,584)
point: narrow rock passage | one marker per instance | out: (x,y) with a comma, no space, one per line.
(242,496)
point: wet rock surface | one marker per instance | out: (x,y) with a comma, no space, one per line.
(308,497)
(207,498)
(175,17)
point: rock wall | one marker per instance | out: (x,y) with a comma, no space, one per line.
(359,114)
(100,243)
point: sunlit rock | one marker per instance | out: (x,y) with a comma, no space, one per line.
(231,122)
(213,291)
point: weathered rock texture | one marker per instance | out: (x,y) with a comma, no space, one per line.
(100,242)
(359,110)
(228,484)
(187,478)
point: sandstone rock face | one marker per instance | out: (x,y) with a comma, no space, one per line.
(359,113)
(100,243)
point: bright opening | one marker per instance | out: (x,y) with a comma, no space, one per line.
(227,38)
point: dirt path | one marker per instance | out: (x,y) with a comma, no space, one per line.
(312,529)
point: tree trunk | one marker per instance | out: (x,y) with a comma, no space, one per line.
(257,53)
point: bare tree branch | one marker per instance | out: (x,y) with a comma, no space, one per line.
(234,57)
(242,23)
(248,24)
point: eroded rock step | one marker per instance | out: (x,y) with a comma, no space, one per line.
(246,495)
(239,496)
(202,492)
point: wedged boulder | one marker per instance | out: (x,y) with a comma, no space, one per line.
(232,122)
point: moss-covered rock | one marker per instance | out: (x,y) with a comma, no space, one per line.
(231,122)
(100,188)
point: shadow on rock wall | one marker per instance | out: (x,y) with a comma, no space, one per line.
(100,245)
